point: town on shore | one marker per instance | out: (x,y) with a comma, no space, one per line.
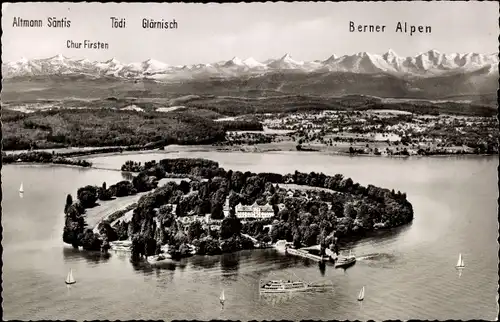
(376,129)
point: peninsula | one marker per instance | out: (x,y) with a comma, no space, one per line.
(214,210)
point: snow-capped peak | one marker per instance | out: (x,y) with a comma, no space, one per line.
(57,58)
(153,63)
(288,58)
(390,54)
(285,62)
(235,61)
(364,54)
(432,54)
(330,59)
(251,62)
(427,63)
(112,61)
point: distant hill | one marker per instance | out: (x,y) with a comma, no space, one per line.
(477,86)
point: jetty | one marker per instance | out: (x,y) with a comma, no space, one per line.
(285,247)
(303,253)
(256,243)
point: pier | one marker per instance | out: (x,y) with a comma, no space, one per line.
(303,252)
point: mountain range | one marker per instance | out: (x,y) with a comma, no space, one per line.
(428,64)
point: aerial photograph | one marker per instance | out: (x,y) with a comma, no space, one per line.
(250,161)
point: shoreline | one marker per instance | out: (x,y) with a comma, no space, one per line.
(240,148)
(257,148)
(208,149)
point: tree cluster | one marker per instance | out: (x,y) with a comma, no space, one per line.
(42,157)
(106,127)
(75,232)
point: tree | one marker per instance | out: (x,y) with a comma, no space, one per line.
(87,196)
(71,233)
(124,188)
(310,234)
(135,248)
(108,232)
(90,241)
(349,211)
(69,202)
(208,246)
(231,226)
(216,211)
(104,194)
(142,182)
(184,186)
(297,239)
(194,231)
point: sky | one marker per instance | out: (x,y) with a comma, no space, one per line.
(216,32)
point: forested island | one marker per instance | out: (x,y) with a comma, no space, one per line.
(199,212)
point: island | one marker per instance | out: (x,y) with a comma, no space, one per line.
(208,210)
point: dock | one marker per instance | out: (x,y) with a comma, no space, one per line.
(283,246)
(303,253)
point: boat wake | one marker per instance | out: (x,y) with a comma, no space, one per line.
(377,257)
(277,299)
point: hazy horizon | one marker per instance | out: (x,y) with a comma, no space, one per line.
(210,33)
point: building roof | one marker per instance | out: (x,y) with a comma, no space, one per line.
(266,208)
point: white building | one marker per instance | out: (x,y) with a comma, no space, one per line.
(254,211)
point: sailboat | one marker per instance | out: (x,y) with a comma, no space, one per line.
(222,298)
(361,295)
(21,188)
(460,262)
(70,279)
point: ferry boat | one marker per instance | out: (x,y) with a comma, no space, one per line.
(281,286)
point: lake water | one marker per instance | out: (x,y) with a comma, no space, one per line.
(408,273)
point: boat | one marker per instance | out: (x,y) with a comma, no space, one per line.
(281,286)
(222,298)
(121,245)
(460,262)
(21,188)
(70,279)
(361,295)
(159,259)
(345,261)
